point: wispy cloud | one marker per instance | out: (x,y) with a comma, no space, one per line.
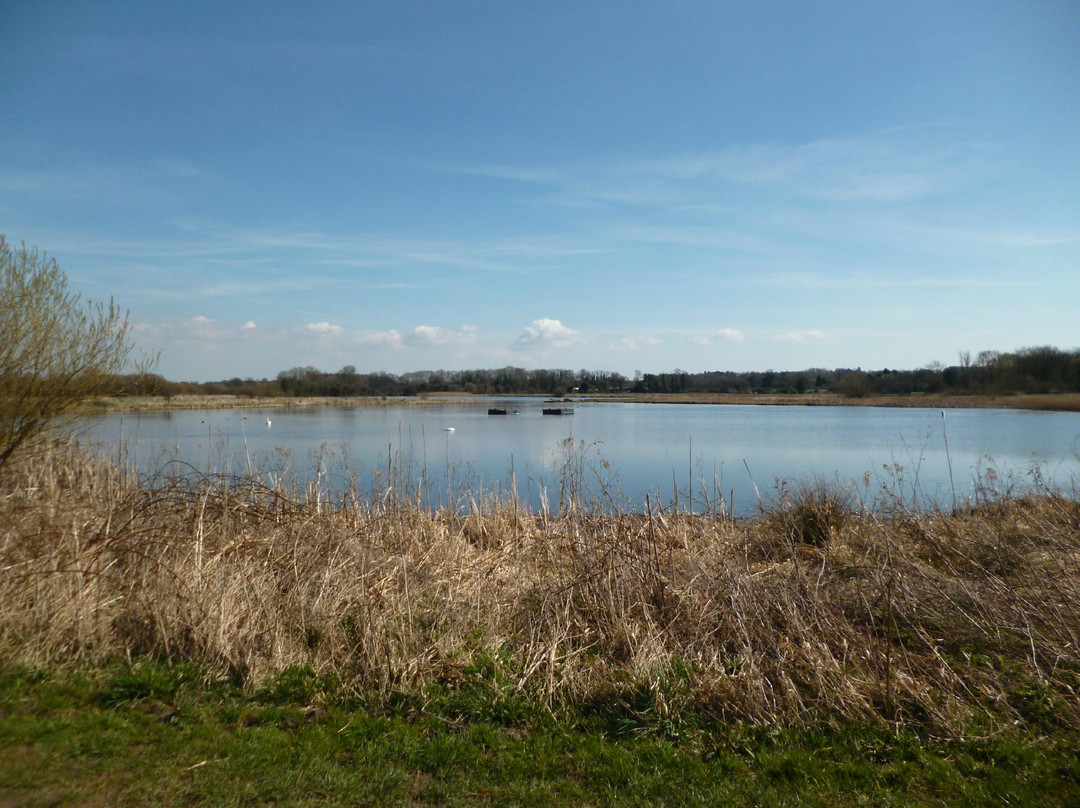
(125,183)
(421,337)
(633,344)
(688,235)
(433,335)
(892,166)
(871,280)
(198,333)
(801,336)
(1009,237)
(880,168)
(723,334)
(378,250)
(391,339)
(324,328)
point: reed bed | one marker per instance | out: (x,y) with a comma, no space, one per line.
(827,607)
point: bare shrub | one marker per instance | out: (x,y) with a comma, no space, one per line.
(55,352)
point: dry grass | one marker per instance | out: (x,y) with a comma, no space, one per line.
(1054,402)
(229,402)
(825,608)
(1062,402)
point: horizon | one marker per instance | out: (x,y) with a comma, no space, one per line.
(973,360)
(644,188)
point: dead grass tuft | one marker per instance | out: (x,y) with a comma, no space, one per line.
(825,608)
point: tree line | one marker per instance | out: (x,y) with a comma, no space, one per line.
(1042,369)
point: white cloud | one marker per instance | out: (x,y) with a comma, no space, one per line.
(634,343)
(249,326)
(725,334)
(199,327)
(428,333)
(733,334)
(434,335)
(549,332)
(324,328)
(800,336)
(383,339)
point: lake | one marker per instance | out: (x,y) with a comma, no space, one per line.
(618,453)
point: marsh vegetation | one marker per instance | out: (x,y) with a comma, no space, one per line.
(827,607)
(486,652)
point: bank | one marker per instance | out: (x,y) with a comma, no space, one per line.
(1050,402)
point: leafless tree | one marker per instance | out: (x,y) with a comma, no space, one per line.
(55,350)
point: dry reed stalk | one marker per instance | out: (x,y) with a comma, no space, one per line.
(820,610)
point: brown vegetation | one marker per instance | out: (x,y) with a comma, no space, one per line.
(1066,402)
(826,607)
(104,404)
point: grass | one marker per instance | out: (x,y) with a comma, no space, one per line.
(211,639)
(155,734)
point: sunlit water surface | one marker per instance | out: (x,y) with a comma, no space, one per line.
(620,453)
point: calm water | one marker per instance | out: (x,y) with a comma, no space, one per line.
(626,450)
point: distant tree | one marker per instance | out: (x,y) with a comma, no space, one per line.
(300,381)
(1041,369)
(55,350)
(147,384)
(852,383)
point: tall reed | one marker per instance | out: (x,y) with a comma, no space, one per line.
(830,606)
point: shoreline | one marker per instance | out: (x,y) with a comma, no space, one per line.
(1046,402)
(1065,402)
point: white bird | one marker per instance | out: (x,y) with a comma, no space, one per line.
(268,422)
(448,429)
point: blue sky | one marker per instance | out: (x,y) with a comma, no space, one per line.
(614,186)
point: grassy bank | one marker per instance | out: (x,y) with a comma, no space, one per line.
(1064,402)
(157,734)
(224,402)
(228,622)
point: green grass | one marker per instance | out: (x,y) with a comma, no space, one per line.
(159,734)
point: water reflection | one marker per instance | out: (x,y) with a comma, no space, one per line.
(622,452)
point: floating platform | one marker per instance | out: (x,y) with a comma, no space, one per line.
(558,410)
